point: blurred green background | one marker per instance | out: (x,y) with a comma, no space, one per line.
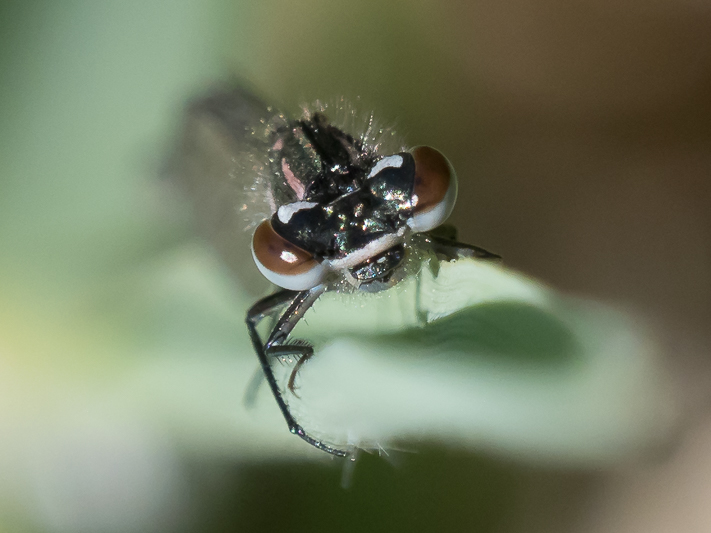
(581,133)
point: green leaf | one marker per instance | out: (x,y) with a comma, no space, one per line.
(481,356)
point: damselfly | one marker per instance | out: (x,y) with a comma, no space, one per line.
(335,204)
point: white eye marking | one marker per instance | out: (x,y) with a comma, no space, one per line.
(437,214)
(394,161)
(287,211)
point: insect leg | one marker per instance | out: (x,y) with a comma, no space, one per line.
(266,307)
(451,249)
(444,231)
(303,354)
(306,354)
(300,302)
(250,395)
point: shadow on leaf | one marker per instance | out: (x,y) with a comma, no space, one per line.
(499,329)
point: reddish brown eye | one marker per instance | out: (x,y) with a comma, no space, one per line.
(435,188)
(283,263)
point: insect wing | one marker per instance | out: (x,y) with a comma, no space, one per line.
(221,163)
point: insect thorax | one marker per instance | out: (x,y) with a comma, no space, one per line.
(338,198)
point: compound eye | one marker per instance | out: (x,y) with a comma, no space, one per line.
(282,263)
(435,189)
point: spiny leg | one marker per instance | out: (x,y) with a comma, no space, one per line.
(445,231)
(305,356)
(266,307)
(300,302)
(250,394)
(442,242)
(451,249)
(301,353)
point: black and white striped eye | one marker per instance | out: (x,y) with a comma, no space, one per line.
(282,263)
(435,189)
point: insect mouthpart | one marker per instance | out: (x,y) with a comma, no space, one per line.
(379,267)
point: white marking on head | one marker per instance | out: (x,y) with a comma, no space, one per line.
(287,211)
(371,249)
(393,161)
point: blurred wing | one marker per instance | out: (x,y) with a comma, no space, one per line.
(221,165)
